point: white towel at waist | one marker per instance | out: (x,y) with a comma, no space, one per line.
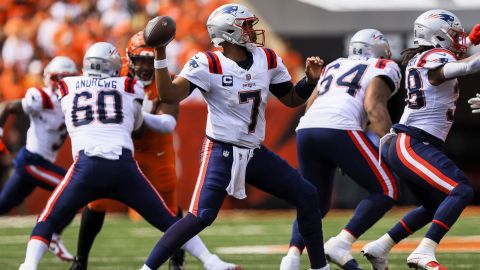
(241,157)
(107,152)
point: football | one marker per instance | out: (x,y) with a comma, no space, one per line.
(159,31)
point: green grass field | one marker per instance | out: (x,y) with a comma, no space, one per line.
(124,245)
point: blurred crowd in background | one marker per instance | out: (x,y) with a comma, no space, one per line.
(34,31)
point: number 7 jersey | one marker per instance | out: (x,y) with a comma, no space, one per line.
(341,92)
(236,97)
(100,114)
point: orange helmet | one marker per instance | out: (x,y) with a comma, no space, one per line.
(140,59)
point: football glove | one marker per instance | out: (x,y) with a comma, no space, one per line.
(474,35)
(475,104)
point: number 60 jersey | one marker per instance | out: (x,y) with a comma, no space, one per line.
(100,114)
(341,92)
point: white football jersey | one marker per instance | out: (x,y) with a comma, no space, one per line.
(101,114)
(341,92)
(236,97)
(430,108)
(47,129)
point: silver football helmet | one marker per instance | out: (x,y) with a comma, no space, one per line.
(58,68)
(440,29)
(234,23)
(369,43)
(102,60)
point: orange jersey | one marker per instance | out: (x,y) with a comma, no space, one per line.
(150,142)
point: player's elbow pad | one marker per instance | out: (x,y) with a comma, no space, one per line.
(164,123)
(458,69)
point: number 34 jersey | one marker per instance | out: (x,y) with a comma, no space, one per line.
(100,114)
(341,92)
(430,108)
(236,97)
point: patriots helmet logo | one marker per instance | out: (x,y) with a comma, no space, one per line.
(442,16)
(229,10)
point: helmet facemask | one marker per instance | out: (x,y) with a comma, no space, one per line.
(458,42)
(250,35)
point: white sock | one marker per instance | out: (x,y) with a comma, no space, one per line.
(387,241)
(196,247)
(145,267)
(346,236)
(35,251)
(426,246)
(205,256)
(293,251)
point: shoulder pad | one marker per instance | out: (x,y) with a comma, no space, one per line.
(435,57)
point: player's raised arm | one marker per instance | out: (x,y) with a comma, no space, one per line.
(461,67)
(169,91)
(296,95)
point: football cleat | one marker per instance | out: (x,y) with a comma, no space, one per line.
(57,248)
(424,262)
(290,262)
(337,251)
(377,255)
(79,263)
(213,262)
(177,261)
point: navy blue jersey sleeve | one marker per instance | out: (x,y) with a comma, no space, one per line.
(281,89)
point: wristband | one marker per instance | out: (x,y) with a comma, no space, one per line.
(1,131)
(304,89)
(159,64)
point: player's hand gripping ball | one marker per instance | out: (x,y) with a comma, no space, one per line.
(159,31)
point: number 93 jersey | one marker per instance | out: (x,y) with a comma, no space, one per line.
(236,97)
(429,107)
(341,92)
(101,114)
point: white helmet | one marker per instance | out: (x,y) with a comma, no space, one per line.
(102,60)
(58,68)
(369,43)
(440,29)
(234,23)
